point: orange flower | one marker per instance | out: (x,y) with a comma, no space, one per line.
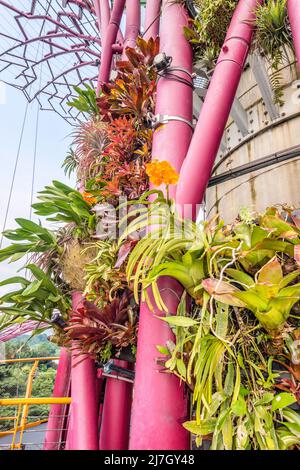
(161,172)
(89,198)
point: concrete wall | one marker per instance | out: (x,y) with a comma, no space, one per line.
(276,184)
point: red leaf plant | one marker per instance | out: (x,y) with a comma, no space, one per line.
(116,323)
(133,91)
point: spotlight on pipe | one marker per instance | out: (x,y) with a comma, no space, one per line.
(110,367)
(161,62)
(57,319)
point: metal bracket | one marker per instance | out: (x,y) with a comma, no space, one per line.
(159,119)
(240,117)
(261,75)
(110,367)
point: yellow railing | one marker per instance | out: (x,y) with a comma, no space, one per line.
(23,404)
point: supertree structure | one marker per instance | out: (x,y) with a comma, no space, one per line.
(49,47)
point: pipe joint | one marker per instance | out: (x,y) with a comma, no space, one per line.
(235,49)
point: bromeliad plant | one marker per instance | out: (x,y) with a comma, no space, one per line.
(268,296)
(133,91)
(99,331)
(220,353)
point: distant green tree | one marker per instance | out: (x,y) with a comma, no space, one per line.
(13,378)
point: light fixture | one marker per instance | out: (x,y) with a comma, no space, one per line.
(57,319)
(161,61)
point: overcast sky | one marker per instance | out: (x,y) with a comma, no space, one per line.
(52,146)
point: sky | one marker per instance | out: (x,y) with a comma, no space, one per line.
(52,145)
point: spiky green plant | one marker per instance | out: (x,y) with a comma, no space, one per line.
(60,203)
(70,163)
(86,100)
(273,38)
(34,299)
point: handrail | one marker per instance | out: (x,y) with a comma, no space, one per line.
(29,359)
(35,401)
(23,404)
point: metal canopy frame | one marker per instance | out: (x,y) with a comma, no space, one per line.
(47,48)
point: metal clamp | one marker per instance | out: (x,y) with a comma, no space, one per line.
(110,367)
(159,119)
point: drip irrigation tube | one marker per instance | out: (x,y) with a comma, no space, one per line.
(278,157)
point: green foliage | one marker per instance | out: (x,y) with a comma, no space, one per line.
(101,276)
(232,383)
(209,28)
(273,35)
(31,238)
(86,101)
(32,300)
(161,250)
(267,296)
(243,282)
(60,203)
(70,163)
(273,39)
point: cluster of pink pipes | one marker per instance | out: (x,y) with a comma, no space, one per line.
(152,418)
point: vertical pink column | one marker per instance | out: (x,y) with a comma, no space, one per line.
(98,15)
(109,41)
(294,17)
(104,15)
(83,426)
(57,412)
(133,23)
(159,403)
(199,161)
(152,19)
(115,422)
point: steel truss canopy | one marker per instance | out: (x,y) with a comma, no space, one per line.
(47,47)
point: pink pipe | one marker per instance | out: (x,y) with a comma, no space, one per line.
(109,40)
(152,19)
(115,422)
(98,14)
(56,415)
(83,427)
(104,9)
(133,24)
(159,403)
(200,158)
(294,17)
